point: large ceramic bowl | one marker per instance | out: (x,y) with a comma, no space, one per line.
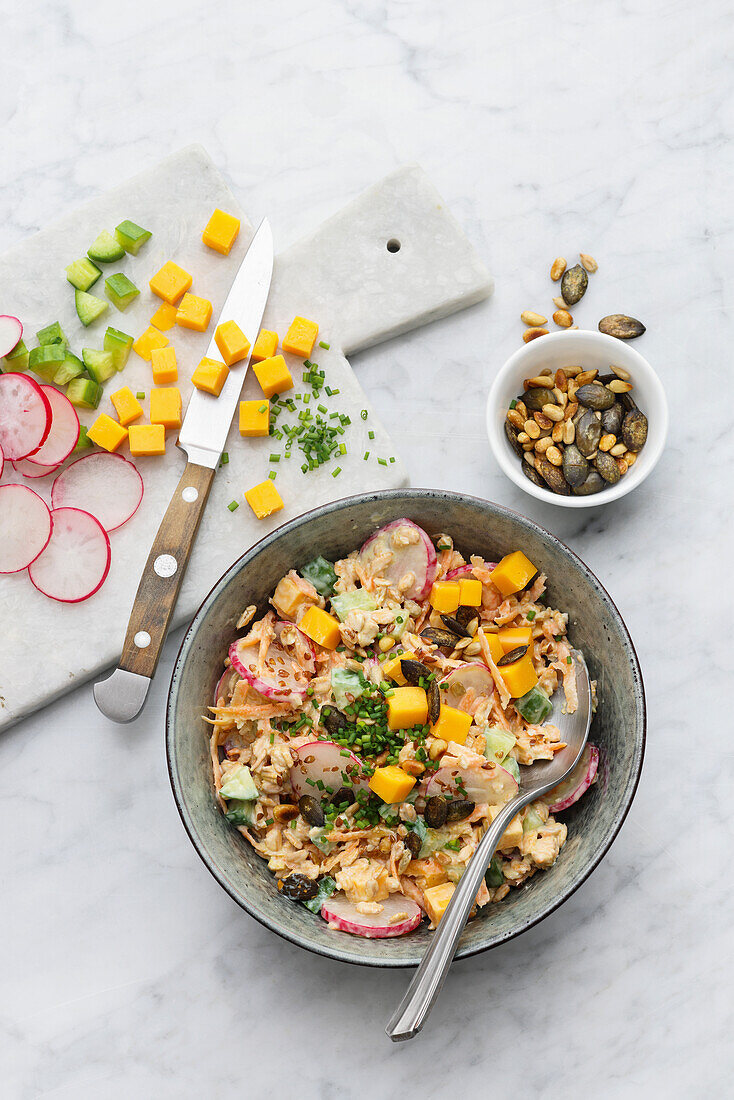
(477,526)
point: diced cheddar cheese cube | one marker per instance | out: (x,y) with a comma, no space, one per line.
(232,343)
(264,499)
(391,783)
(194,312)
(513,636)
(406,707)
(265,346)
(300,337)
(289,599)
(147,439)
(495,646)
(273,375)
(165,407)
(512,573)
(428,872)
(170,282)
(163,362)
(445,596)
(127,406)
(221,231)
(210,376)
(520,676)
(320,627)
(148,342)
(255,417)
(107,433)
(452,724)
(437,899)
(470,592)
(512,836)
(391,668)
(164,317)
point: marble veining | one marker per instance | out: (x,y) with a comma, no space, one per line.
(548,128)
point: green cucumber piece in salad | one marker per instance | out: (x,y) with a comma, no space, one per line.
(83,392)
(83,274)
(132,237)
(71,367)
(241,811)
(83,443)
(240,784)
(106,249)
(52,334)
(46,360)
(345,682)
(532,821)
(99,364)
(494,876)
(534,706)
(119,343)
(361,600)
(89,308)
(498,743)
(17,359)
(326,887)
(120,290)
(320,573)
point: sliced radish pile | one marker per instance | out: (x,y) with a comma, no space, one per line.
(418,558)
(297,645)
(25,415)
(399,915)
(63,433)
(105,485)
(474,675)
(494,786)
(577,783)
(325,761)
(225,684)
(11,332)
(280,675)
(77,559)
(28,468)
(25,527)
(466,570)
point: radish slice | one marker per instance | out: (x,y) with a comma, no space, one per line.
(64,432)
(474,675)
(28,468)
(280,675)
(297,645)
(492,785)
(418,557)
(466,570)
(399,915)
(25,527)
(25,415)
(2,462)
(577,783)
(77,559)
(11,332)
(107,486)
(225,684)
(328,762)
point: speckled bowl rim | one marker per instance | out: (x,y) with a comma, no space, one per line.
(407,495)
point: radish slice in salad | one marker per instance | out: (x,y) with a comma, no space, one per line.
(107,486)
(77,559)
(25,527)
(577,783)
(11,331)
(2,462)
(63,433)
(280,675)
(398,916)
(225,684)
(25,415)
(28,468)
(494,786)
(466,570)
(417,557)
(474,675)
(328,763)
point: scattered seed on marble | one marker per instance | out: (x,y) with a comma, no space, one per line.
(557,268)
(573,284)
(563,318)
(589,262)
(621,326)
(559,303)
(533,334)
(532,319)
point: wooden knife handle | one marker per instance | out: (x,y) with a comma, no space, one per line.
(164,571)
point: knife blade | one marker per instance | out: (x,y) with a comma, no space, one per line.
(203,434)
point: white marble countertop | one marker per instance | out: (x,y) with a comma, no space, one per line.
(548,128)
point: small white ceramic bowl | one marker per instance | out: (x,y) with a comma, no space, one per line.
(587,349)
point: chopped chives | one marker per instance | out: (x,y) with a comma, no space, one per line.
(322,408)
(371,435)
(530,616)
(262,408)
(366,455)
(382,461)
(272,475)
(364,414)
(342,449)
(324,345)
(569,659)
(337,471)
(140,395)
(392,458)
(233,505)
(329,391)
(513,403)
(275,458)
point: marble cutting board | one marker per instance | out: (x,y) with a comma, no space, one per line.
(344,276)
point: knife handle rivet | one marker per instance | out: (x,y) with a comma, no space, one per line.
(190,494)
(142,639)
(165,565)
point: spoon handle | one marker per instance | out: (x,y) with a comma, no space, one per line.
(422,992)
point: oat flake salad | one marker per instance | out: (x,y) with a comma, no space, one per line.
(367,728)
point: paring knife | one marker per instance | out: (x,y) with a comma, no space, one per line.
(203,434)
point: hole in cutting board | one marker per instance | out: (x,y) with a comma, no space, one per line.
(393,245)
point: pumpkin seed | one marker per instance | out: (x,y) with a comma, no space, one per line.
(532,475)
(454,626)
(634,430)
(607,467)
(533,333)
(575,466)
(532,319)
(588,433)
(434,701)
(621,326)
(557,268)
(574,284)
(552,475)
(595,396)
(413,671)
(563,318)
(443,638)
(537,397)
(512,439)
(594,483)
(611,419)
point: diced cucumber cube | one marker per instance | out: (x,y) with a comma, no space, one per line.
(45,361)
(119,343)
(88,307)
(84,393)
(17,359)
(131,236)
(82,443)
(100,364)
(120,290)
(494,876)
(241,811)
(106,249)
(240,784)
(498,743)
(72,367)
(52,334)
(83,274)
(534,706)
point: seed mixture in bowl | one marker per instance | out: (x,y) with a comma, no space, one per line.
(368,728)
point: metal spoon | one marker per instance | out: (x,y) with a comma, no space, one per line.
(535,780)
